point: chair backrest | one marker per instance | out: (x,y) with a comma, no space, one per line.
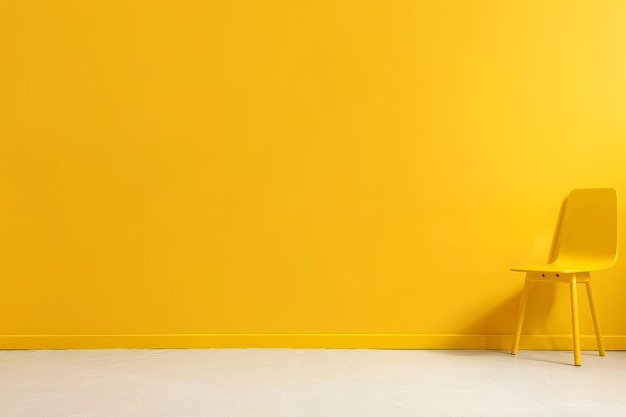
(588,232)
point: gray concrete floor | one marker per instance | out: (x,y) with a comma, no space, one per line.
(309,382)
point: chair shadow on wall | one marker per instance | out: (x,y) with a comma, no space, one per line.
(543,300)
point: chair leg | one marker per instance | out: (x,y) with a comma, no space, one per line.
(575,328)
(596,322)
(520,316)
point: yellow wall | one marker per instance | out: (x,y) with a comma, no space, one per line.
(359,173)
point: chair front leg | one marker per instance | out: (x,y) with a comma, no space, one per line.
(575,328)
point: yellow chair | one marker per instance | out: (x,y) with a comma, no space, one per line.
(586,241)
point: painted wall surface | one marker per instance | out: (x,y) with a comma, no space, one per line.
(201,171)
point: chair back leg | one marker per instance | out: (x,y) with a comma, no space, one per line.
(596,321)
(520,316)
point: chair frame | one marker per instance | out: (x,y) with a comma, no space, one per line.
(585,240)
(564,278)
